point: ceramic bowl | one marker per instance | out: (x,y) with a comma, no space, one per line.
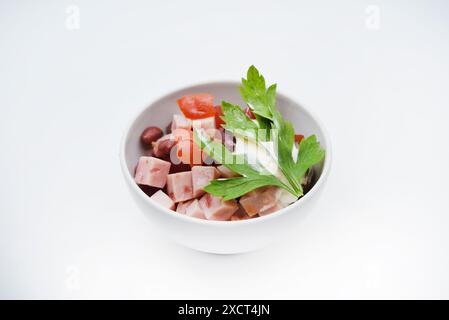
(222,237)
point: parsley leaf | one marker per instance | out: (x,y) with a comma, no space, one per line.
(288,173)
(253,91)
(234,187)
(237,121)
(309,154)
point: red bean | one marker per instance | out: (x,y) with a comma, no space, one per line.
(181,167)
(162,147)
(249,113)
(168,128)
(150,135)
(148,189)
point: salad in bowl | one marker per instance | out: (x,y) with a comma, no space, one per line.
(221,161)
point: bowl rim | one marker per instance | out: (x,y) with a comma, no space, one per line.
(135,188)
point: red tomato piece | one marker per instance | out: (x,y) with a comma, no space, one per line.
(298,138)
(197,106)
(218,114)
(249,113)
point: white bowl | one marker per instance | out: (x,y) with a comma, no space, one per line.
(220,236)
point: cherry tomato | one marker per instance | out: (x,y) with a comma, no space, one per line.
(218,114)
(197,106)
(249,113)
(298,138)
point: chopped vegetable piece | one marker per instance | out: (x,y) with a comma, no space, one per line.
(298,138)
(197,106)
(218,114)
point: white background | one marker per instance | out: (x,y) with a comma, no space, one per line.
(69,229)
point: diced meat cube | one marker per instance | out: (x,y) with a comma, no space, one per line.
(182,206)
(180,122)
(276,207)
(227,173)
(164,200)
(152,171)
(214,134)
(205,123)
(201,177)
(194,210)
(259,200)
(266,200)
(182,134)
(189,153)
(240,214)
(179,186)
(215,208)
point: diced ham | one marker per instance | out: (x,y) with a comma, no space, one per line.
(201,177)
(214,134)
(189,153)
(240,214)
(182,135)
(205,123)
(182,206)
(216,209)
(164,200)
(266,200)
(180,122)
(227,173)
(259,200)
(276,207)
(152,171)
(194,210)
(179,186)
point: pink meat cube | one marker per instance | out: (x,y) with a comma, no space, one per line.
(206,123)
(240,214)
(182,206)
(226,173)
(164,200)
(272,209)
(259,200)
(194,210)
(215,208)
(179,186)
(180,122)
(152,171)
(201,177)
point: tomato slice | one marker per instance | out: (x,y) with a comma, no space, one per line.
(197,106)
(218,114)
(249,113)
(298,138)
